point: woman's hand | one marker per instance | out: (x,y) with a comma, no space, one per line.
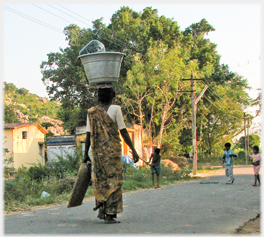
(86,158)
(135,156)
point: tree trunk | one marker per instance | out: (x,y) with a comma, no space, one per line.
(164,119)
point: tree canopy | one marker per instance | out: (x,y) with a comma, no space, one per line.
(254,140)
(150,90)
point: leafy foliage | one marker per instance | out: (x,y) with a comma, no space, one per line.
(7,161)
(9,114)
(254,140)
(27,103)
(150,88)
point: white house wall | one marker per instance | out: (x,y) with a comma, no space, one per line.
(63,151)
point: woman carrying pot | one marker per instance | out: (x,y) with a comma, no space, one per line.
(103,123)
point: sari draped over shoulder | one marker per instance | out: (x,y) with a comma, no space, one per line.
(107,164)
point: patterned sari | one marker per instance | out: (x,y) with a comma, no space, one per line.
(107,164)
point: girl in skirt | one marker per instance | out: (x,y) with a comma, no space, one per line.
(255,160)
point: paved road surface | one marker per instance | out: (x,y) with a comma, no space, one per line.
(184,208)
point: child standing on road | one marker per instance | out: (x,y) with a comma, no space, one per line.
(155,166)
(255,161)
(228,163)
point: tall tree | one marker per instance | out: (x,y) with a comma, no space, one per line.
(155,79)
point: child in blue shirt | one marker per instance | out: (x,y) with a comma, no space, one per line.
(228,163)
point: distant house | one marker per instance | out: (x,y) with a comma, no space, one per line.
(60,146)
(25,143)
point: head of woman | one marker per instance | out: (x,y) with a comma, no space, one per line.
(106,95)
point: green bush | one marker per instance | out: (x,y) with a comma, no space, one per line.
(185,172)
(12,190)
(55,186)
(139,177)
(128,171)
(38,172)
(68,164)
(241,154)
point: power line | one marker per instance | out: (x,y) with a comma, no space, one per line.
(218,97)
(212,91)
(54,28)
(50,13)
(103,35)
(238,66)
(221,109)
(33,19)
(66,13)
(215,95)
(74,13)
(121,43)
(109,40)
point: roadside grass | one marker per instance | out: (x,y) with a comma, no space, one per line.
(23,192)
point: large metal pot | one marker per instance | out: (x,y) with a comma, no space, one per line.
(103,67)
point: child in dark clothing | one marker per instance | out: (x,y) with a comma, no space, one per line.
(155,166)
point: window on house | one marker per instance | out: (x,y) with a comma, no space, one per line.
(24,135)
(41,147)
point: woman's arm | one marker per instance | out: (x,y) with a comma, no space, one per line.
(128,141)
(87,146)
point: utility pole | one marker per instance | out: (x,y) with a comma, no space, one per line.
(194,103)
(194,127)
(247,138)
(245,134)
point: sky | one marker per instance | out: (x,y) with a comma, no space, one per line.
(31,30)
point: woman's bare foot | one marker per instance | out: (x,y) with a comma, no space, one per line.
(101,214)
(111,220)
